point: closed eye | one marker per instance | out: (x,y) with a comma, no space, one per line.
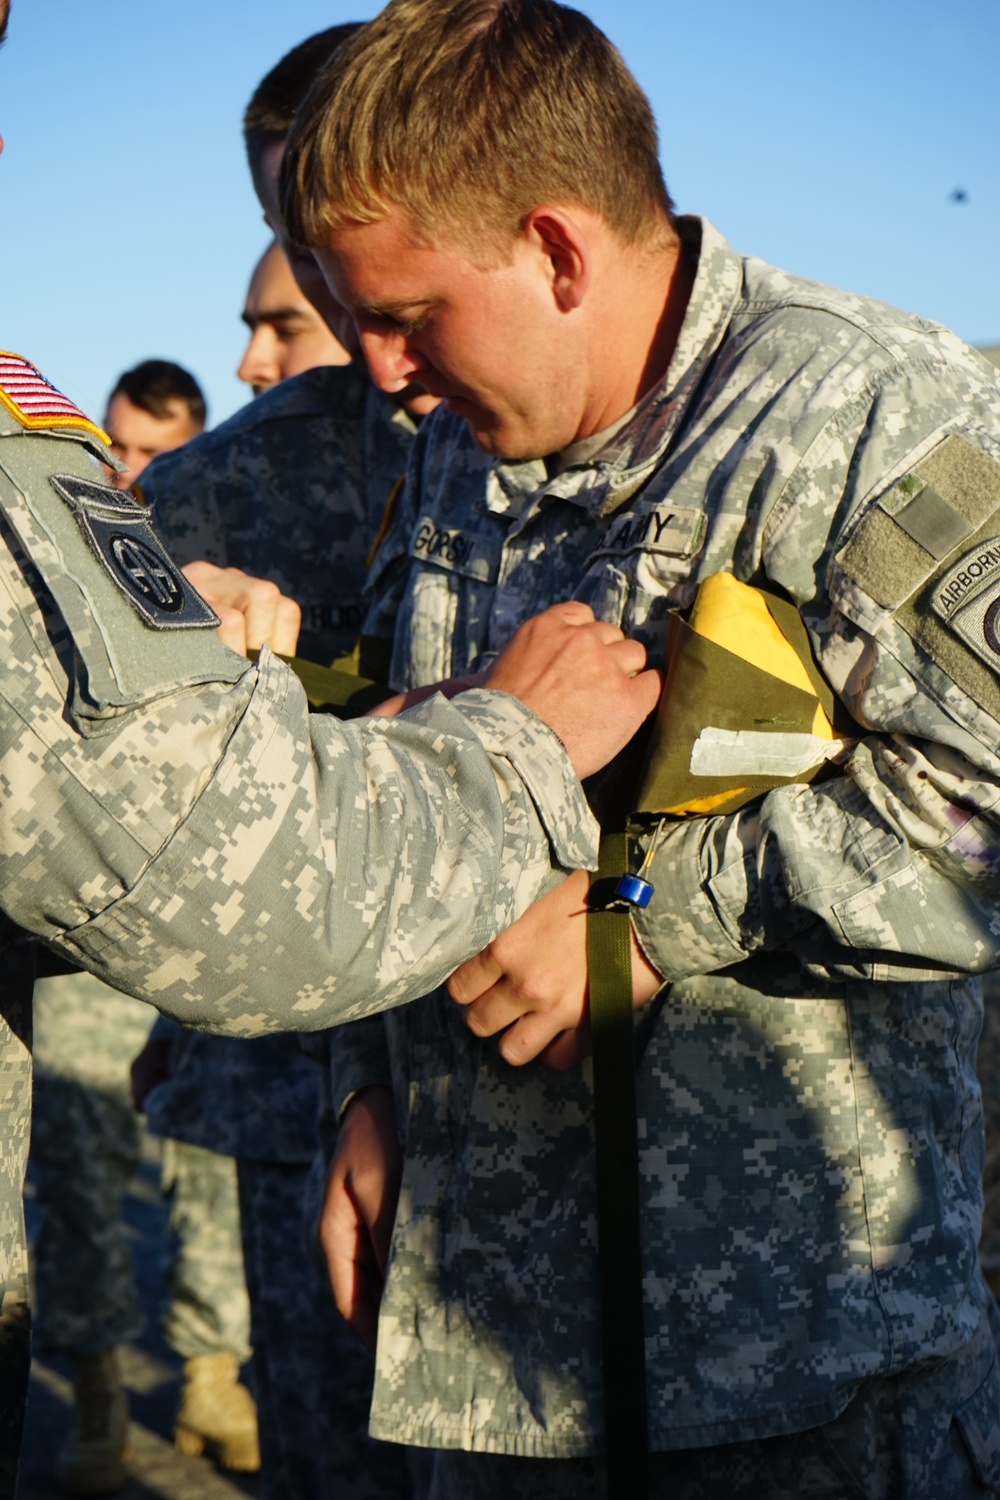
(386,321)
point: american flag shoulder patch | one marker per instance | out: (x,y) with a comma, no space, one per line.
(35,403)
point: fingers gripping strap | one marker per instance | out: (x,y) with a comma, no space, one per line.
(609,955)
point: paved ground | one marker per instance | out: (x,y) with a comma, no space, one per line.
(152,1374)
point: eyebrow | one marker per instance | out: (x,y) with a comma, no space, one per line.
(271,315)
(398,309)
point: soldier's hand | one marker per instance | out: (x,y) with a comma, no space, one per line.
(253,611)
(531,982)
(360,1208)
(583,678)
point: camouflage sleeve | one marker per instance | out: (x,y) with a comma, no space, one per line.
(359,1059)
(179,824)
(247,867)
(892,867)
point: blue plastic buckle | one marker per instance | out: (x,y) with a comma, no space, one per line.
(634,890)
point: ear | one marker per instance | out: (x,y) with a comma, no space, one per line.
(562,241)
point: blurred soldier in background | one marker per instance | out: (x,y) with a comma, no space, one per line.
(85,1146)
(293,487)
(287,334)
(154,408)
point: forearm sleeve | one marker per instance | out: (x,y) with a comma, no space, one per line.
(892,867)
(248,867)
(358,1059)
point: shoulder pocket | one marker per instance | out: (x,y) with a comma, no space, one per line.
(929,555)
(138,627)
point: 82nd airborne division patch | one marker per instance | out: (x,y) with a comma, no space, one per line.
(119,531)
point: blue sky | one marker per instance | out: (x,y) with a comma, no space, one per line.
(827,139)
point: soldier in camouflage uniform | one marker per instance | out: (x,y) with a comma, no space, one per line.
(174,813)
(810,1121)
(84,1150)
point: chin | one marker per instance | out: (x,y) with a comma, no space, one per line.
(492,435)
(509,448)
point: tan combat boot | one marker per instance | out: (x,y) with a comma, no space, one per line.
(95,1456)
(217,1414)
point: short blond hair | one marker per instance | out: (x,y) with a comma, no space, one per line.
(467,115)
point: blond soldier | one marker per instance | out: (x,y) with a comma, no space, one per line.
(631,407)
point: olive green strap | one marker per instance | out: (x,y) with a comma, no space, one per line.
(609,955)
(331,690)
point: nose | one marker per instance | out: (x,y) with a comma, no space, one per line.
(259,366)
(392,360)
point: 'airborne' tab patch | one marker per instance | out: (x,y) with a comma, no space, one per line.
(35,403)
(967,597)
(119,532)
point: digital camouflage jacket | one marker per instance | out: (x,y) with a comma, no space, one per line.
(810,1120)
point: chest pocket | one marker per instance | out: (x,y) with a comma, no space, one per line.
(929,554)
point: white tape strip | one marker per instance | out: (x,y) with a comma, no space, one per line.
(747,752)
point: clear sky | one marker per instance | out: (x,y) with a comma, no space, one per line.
(825,138)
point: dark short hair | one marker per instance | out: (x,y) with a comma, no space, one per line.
(274,101)
(4,18)
(157,384)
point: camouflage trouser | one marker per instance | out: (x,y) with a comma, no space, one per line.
(84,1150)
(207,1309)
(988,1069)
(17,967)
(312,1379)
(929,1434)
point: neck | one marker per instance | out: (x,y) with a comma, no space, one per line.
(644,300)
